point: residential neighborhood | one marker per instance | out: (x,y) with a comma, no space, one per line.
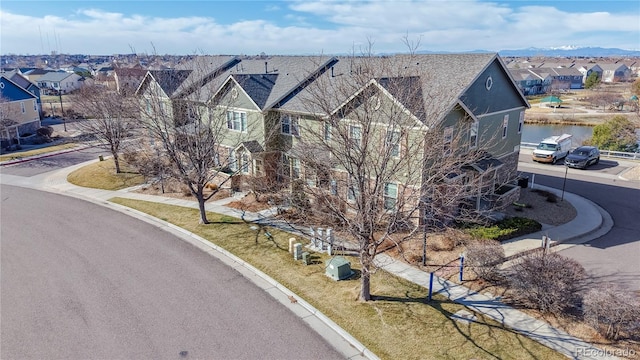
(382,154)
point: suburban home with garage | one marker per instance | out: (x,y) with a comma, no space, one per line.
(266,105)
(55,82)
(19,111)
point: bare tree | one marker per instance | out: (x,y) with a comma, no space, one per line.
(196,128)
(9,116)
(375,157)
(110,118)
(613,311)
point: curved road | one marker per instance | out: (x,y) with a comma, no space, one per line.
(613,257)
(81,281)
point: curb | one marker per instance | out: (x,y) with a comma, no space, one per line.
(45,155)
(359,350)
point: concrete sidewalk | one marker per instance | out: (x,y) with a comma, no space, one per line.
(589,223)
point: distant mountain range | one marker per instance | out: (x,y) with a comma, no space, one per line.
(564,51)
(569,51)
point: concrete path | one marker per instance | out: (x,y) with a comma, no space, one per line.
(591,221)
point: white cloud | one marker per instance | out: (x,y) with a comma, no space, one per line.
(440,26)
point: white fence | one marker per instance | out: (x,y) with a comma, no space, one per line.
(605,153)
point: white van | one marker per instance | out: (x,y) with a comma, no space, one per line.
(552,149)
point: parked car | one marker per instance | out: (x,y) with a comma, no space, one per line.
(582,157)
(552,149)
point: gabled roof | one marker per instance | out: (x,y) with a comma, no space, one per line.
(12,91)
(251,146)
(291,73)
(19,79)
(443,78)
(257,87)
(168,80)
(56,76)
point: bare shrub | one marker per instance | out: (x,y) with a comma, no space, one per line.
(485,257)
(612,311)
(547,281)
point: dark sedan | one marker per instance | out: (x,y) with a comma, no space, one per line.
(583,157)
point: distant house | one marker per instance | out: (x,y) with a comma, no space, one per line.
(563,78)
(26,84)
(529,82)
(127,80)
(587,69)
(19,111)
(60,82)
(615,72)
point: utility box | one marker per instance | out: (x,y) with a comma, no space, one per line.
(338,268)
(306,258)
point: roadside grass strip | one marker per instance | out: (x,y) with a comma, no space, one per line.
(399,324)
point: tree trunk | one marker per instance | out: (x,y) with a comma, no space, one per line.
(116,161)
(203,212)
(365,278)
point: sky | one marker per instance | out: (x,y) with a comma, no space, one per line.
(300,27)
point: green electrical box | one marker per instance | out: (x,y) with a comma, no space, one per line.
(306,258)
(338,268)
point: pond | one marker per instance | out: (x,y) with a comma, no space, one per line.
(535,133)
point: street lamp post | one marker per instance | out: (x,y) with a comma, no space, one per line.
(564,183)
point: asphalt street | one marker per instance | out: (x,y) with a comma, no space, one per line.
(81,281)
(615,256)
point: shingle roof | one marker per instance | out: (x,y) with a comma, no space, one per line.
(290,71)
(258,87)
(169,80)
(443,78)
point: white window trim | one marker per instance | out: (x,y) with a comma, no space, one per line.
(292,123)
(473,130)
(352,133)
(393,142)
(447,140)
(521,122)
(387,195)
(505,126)
(231,122)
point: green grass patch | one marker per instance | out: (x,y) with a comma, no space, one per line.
(102,175)
(33,152)
(399,324)
(505,229)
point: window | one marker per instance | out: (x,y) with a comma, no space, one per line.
(393,142)
(355,134)
(505,125)
(289,125)
(353,191)
(258,167)
(244,160)
(448,139)
(233,164)
(521,122)
(390,196)
(473,135)
(237,120)
(310,177)
(35,105)
(295,168)
(22,107)
(334,187)
(327,131)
